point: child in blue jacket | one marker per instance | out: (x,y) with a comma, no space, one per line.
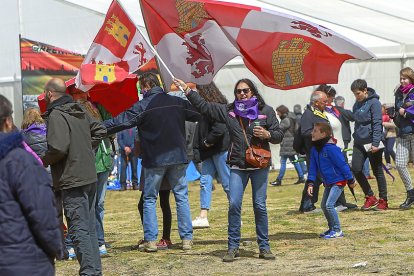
(328,160)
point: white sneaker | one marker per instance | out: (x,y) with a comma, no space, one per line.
(200,223)
(102,250)
(340,208)
(72,254)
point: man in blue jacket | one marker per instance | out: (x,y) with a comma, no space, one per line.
(160,119)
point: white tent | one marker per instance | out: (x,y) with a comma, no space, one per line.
(381,26)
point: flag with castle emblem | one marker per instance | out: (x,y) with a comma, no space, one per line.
(283,51)
(118,49)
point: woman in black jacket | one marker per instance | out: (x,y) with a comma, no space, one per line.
(30,237)
(247,115)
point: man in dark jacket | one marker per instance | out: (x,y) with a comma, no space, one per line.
(314,113)
(160,119)
(126,140)
(71,135)
(30,232)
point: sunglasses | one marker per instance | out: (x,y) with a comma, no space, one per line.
(244,90)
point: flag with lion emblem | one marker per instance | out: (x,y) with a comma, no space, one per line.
(196,38)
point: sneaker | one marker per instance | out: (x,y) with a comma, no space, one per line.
(300,181)
(350,206)
(136,247)
(312,210)
(148,246)
(266,254)
(123,188)
(277,182)
(321,235)
(382,205)
(135,187)
(187,244)
(102,250)
(340,208)
(333,235)
(231,255)
(200,222)
(72,254)
(370,203)
(164,244)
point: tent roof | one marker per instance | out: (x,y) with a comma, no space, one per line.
(375,24)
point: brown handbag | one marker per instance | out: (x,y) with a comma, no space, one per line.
(256,156)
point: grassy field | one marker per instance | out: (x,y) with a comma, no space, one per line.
(384,240)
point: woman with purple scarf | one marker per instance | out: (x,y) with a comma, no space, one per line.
(248,113)
(404,119)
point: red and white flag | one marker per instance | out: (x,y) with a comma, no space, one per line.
(118,49)
(196,38)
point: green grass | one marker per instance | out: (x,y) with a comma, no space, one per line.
(382,239)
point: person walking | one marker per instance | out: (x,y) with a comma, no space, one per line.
(72,135)
(30,238)
(287,124)
(247,118)
(390,134)
(328,161)
(367,137)
(160,119)
(404,119)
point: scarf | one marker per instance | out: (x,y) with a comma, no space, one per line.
(406,88)
(247,108)
(332,110)
(319,144)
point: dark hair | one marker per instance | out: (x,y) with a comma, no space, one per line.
(328,89)
(324,128)
(211,93)
(282,109)
(359,84)
(254,90)
(6,110)
(149,79)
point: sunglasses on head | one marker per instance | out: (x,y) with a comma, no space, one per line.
(244,90)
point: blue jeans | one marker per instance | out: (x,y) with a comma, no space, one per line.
(365,168)
(238,183)
(209,167)
(282,170)
(330,196)
(303,167)
(179,186)
(99,206)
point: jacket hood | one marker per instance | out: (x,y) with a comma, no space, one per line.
(8,142)
(66,105)
(372,94)
(155,90)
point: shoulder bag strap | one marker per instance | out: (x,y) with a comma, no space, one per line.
(244,132)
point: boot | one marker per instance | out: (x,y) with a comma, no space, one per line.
(409,201)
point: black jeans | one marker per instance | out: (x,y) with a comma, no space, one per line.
(79,206)
(166,212)
(375,159)
(389,149)
(124,164)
